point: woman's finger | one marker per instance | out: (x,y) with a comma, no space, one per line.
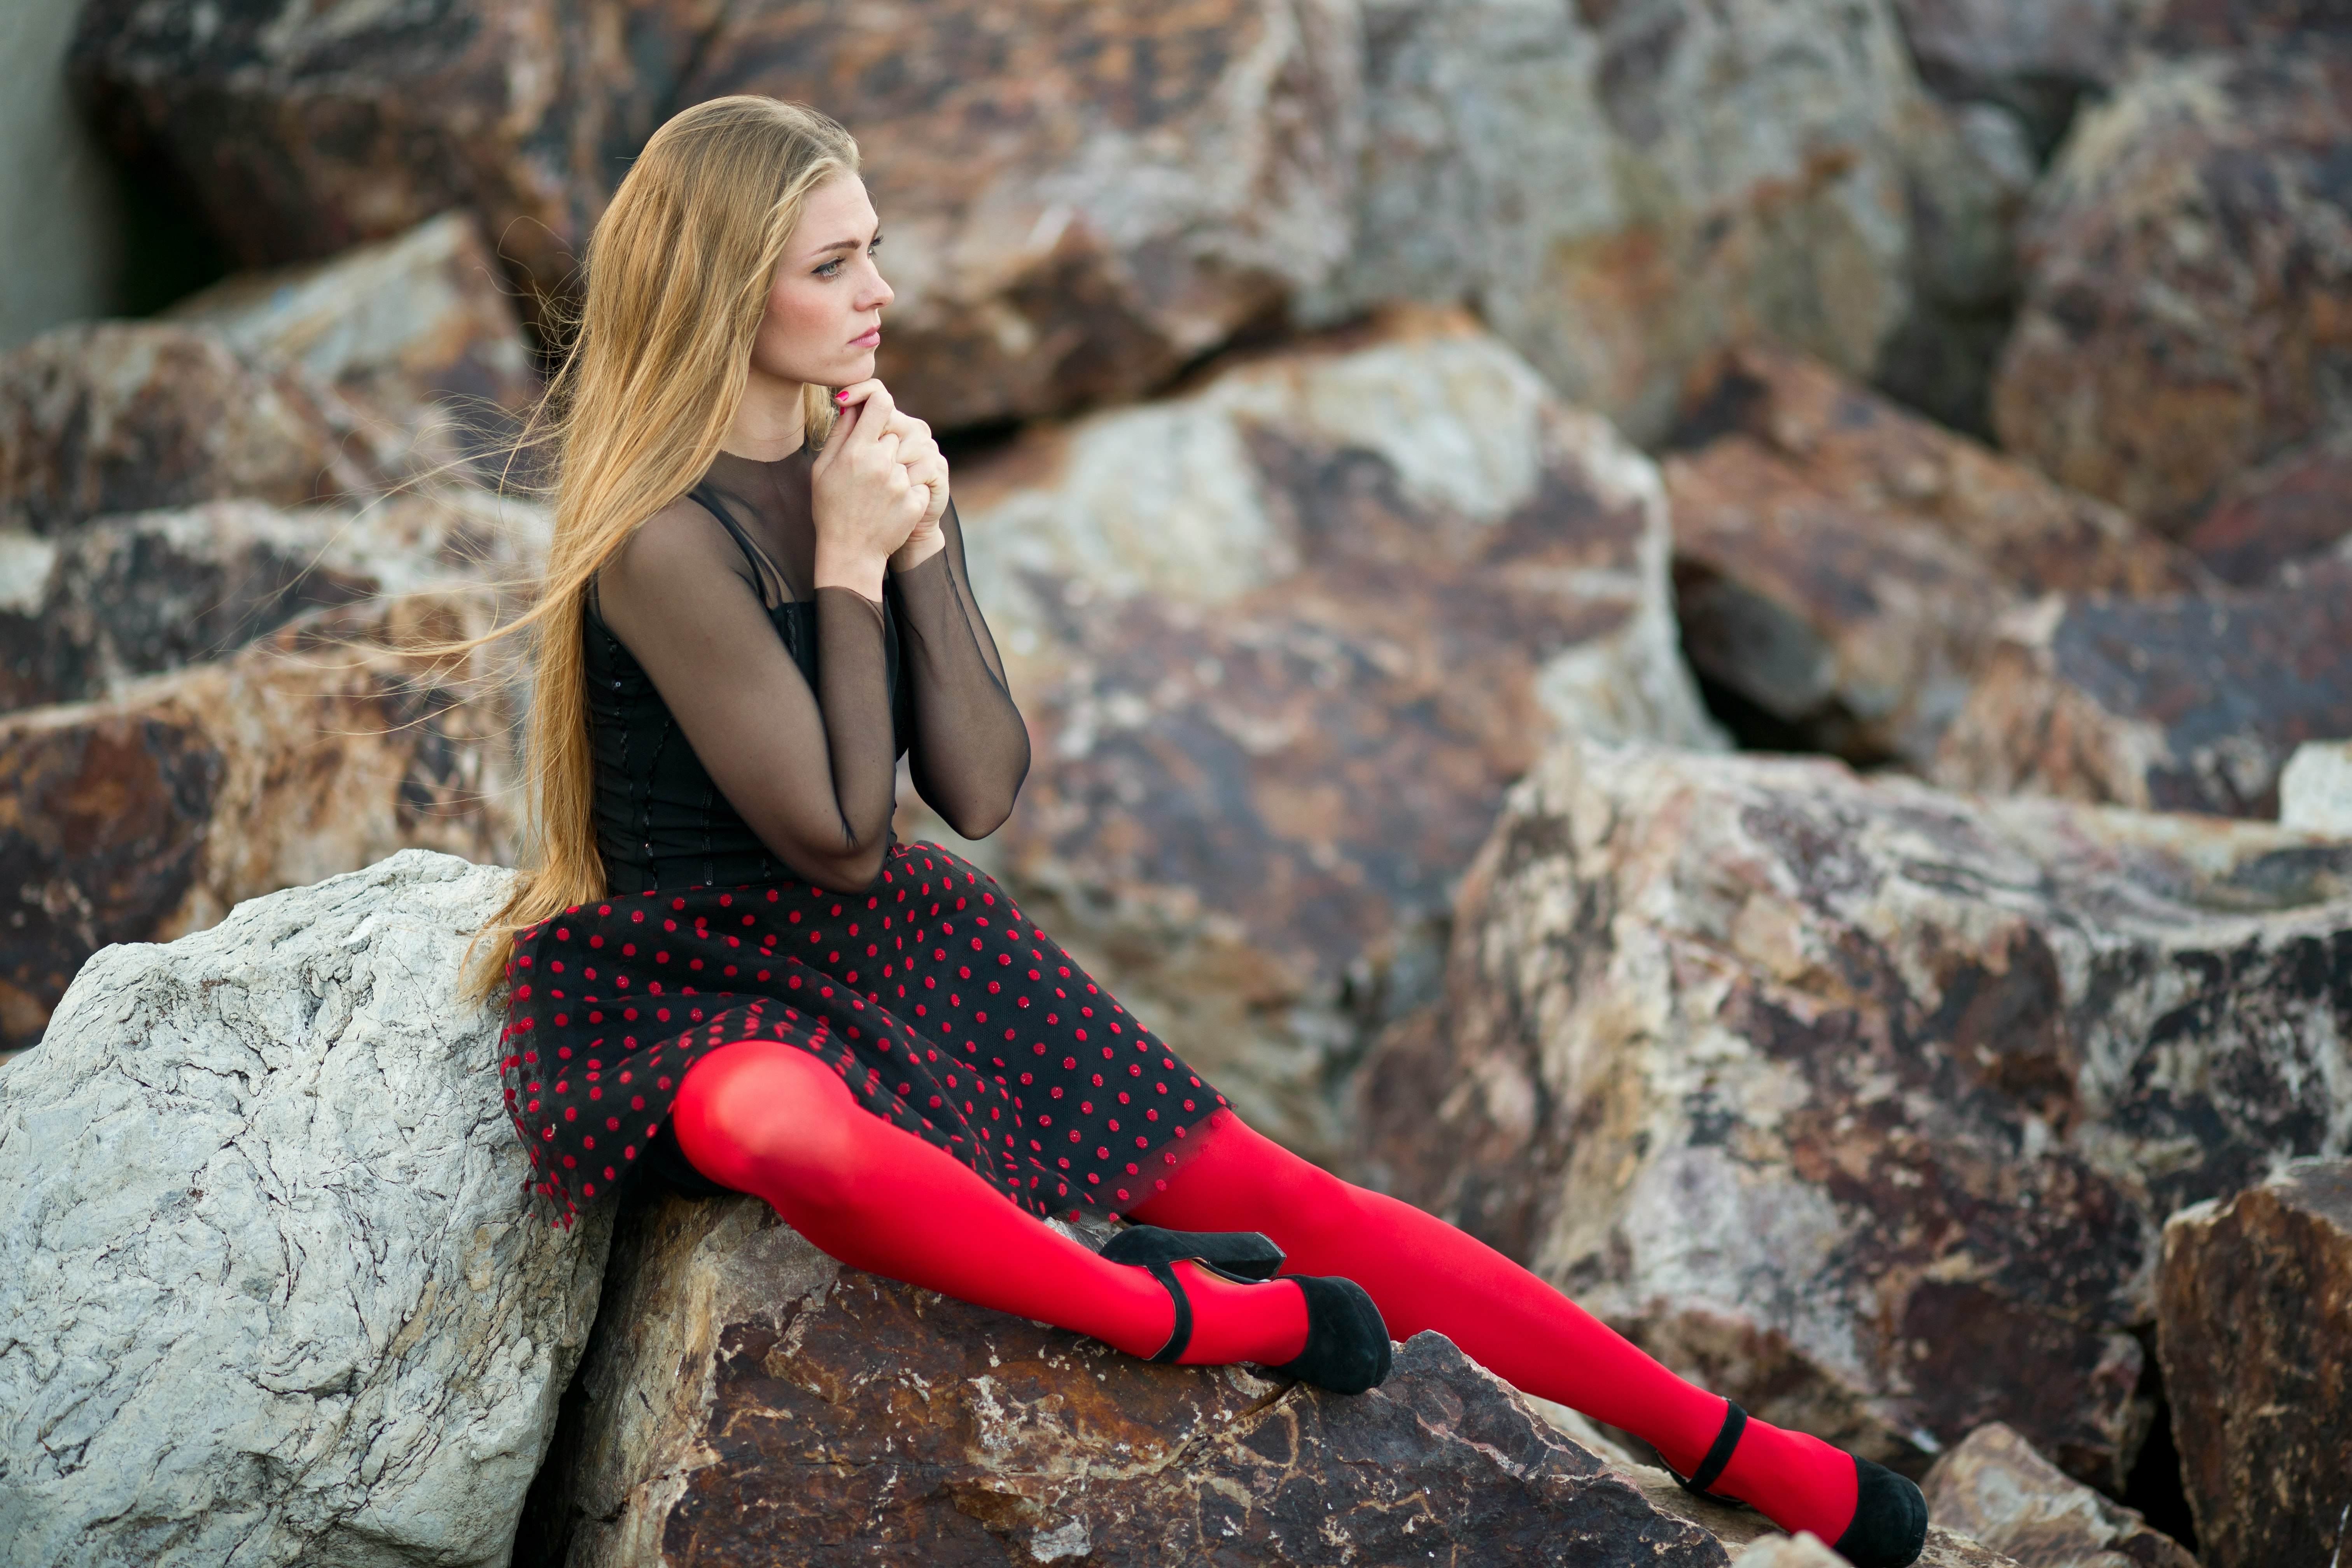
(871,401)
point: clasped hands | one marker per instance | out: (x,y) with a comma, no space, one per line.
(879,488)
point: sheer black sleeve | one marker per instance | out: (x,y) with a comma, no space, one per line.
(969,749)
(811,772)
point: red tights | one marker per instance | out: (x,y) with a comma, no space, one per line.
(769,1118)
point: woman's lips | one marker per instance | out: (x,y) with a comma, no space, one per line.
(866,339)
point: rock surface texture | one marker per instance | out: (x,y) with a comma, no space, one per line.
(85,613)
(271,1294)
(1081,196)
(2254,1327)
(2189,309)
(2190,705)
(1622,189)
(2290,510)
(2036,57)
(148,813)
(745,1398)
(1842,564)
(1862,1103)
(130,416)
(417,332)
(1283,643)
(1995,1489)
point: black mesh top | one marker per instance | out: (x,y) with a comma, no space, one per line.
(747,728)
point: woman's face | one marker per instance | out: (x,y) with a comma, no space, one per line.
(824,311)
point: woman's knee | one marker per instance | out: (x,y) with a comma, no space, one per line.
(762,1117)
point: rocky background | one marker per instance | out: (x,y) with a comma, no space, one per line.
(1714,638)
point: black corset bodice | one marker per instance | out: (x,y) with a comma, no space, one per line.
(661,823)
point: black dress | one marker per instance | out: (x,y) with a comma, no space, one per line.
(746,738)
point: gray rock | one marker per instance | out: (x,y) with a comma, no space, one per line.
(2315,789)
(1623,188)
(271,1295)
(2036,57)
(1863,1103)
(1996,1489)
(420,332)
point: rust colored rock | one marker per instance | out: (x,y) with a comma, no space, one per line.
(1860,1102)
(303,133)
(2254,1328)
(1282,643)
(1871,453)
(2168,705)
(1842,563)
(418,333)
(1081,196)
(126,415)
(746,1399)
(123,597)
(1995,1489)
(2288,511)
(150,815)
(2188,306)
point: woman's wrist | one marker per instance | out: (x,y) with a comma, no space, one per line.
(924,545)
(859,573)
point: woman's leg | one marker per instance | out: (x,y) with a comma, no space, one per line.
(1426,1274)
(767,1118)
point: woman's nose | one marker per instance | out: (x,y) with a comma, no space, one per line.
(877,291)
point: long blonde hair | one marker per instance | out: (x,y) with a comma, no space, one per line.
(678,272)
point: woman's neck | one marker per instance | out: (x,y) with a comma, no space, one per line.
(768,425)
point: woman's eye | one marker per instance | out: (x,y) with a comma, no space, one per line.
(829,269)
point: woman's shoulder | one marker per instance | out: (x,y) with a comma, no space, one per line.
(682,543)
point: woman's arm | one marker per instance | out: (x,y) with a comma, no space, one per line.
(810,772)
(969,751)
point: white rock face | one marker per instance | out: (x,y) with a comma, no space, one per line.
(269,1290)
(2315,789)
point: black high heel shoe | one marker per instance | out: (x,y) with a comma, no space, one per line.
(1889,1529)
(1347,1341)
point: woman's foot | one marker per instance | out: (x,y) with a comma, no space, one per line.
(1229,1308)
(1875,1518)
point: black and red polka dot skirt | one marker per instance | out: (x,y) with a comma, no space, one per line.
(946,1012)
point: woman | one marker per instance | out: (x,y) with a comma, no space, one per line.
(722,967)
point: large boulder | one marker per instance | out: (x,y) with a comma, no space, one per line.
(272,1292)
(1283,642)
(1841,564)
(745,1398)
(1862,1103)
(1622,189)
(2189,310)
(300,132)
(419,332)
(1081,196)
(128,415)
(1994,1488)
(2186,704)
(151,813)
(86,613)
(2254,1328)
